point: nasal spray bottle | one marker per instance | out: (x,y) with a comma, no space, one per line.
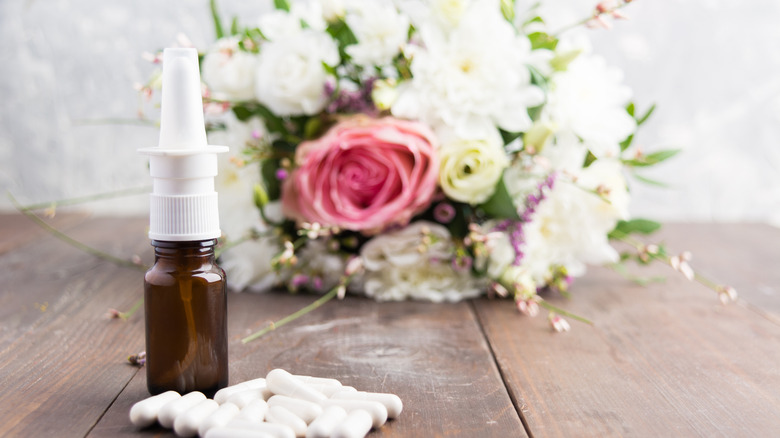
(184,292)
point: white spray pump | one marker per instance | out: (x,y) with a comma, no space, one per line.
(183,166)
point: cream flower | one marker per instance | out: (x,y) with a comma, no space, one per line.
(472,78)
(229,71)
(396,268)
(380,30)
(470,169)
(290,76)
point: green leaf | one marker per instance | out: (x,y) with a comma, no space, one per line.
(242,113)
(649,181)
(509,137)
(260,196)
(500,205)
(646,116)
(651,159)
(217,21)
(282,4)
(630,109)
(640,226)
(234,27)
(273,187)
(508,10)
(541,40)
(343,35)
(589,159)
(625,144)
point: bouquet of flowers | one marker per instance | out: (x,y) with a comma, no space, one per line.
(434,150)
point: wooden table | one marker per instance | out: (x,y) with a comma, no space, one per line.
(662,360)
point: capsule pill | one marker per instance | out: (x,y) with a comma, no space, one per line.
(274,429)
(329,390)
(144,413)
(311,380)
(325,423)
(243,398)
(224,432)
(283,383)
(392,402)
(377,410)
(218,418)
(304,409)
(223,394)
(172,409)
(356,425)
(254,411)
(188,422)
(281,415)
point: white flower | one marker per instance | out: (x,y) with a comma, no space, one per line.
(396,268)
(380,31)
(470,169)
(248,265)
(290,76)
(472,78)
(588,99)
(230,71)
(279,24)
(323,267)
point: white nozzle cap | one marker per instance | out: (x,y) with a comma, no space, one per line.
(183,166)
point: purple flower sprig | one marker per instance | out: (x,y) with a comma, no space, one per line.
(351,101)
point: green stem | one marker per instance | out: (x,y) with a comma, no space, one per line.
(292,317)
(586,20)
(126,315)
(71,241)
(83,199)
(556,309)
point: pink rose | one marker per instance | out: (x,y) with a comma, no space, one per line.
(363,175)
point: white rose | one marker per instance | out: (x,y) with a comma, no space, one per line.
(470,169)
(396,269)
(229,71)
(290,76)
(380,31)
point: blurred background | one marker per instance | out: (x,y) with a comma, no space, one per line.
(712,67)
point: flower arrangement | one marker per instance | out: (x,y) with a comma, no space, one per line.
(435,150)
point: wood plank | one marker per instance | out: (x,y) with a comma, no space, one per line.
(63,359)
(17,230)
(433,356)
(663,360)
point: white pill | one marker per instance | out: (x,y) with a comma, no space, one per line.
(329,390)
(219,418)
(274,429)
(173,409)
(310,380)
(356,425)
(225,432)
(144,413)
(324,425)
(377,410)
(283,383)
(304,409)
(243,398)
(392,402)
(188,422)
(223,394)
(281,415)
(254,411)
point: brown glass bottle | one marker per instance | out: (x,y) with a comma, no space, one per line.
(185,301)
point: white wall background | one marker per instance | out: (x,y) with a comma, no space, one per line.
(711,66)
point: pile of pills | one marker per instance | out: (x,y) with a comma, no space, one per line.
(281,405)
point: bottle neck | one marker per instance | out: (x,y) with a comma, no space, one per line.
(190,252)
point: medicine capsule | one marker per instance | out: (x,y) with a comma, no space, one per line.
(325,423)
(173,409)
(274,429)
(144,413)
(218,418)
(254,411)
(329,390)
(310,380)
(377,410)
(243,398)
(392,402)
(356,425)
(281,415)
(224,432)
(283,383)
(188,422)
(304,409)
(223,394)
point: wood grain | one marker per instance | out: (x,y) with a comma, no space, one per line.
(663,360)
(433,356)
(63,360)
